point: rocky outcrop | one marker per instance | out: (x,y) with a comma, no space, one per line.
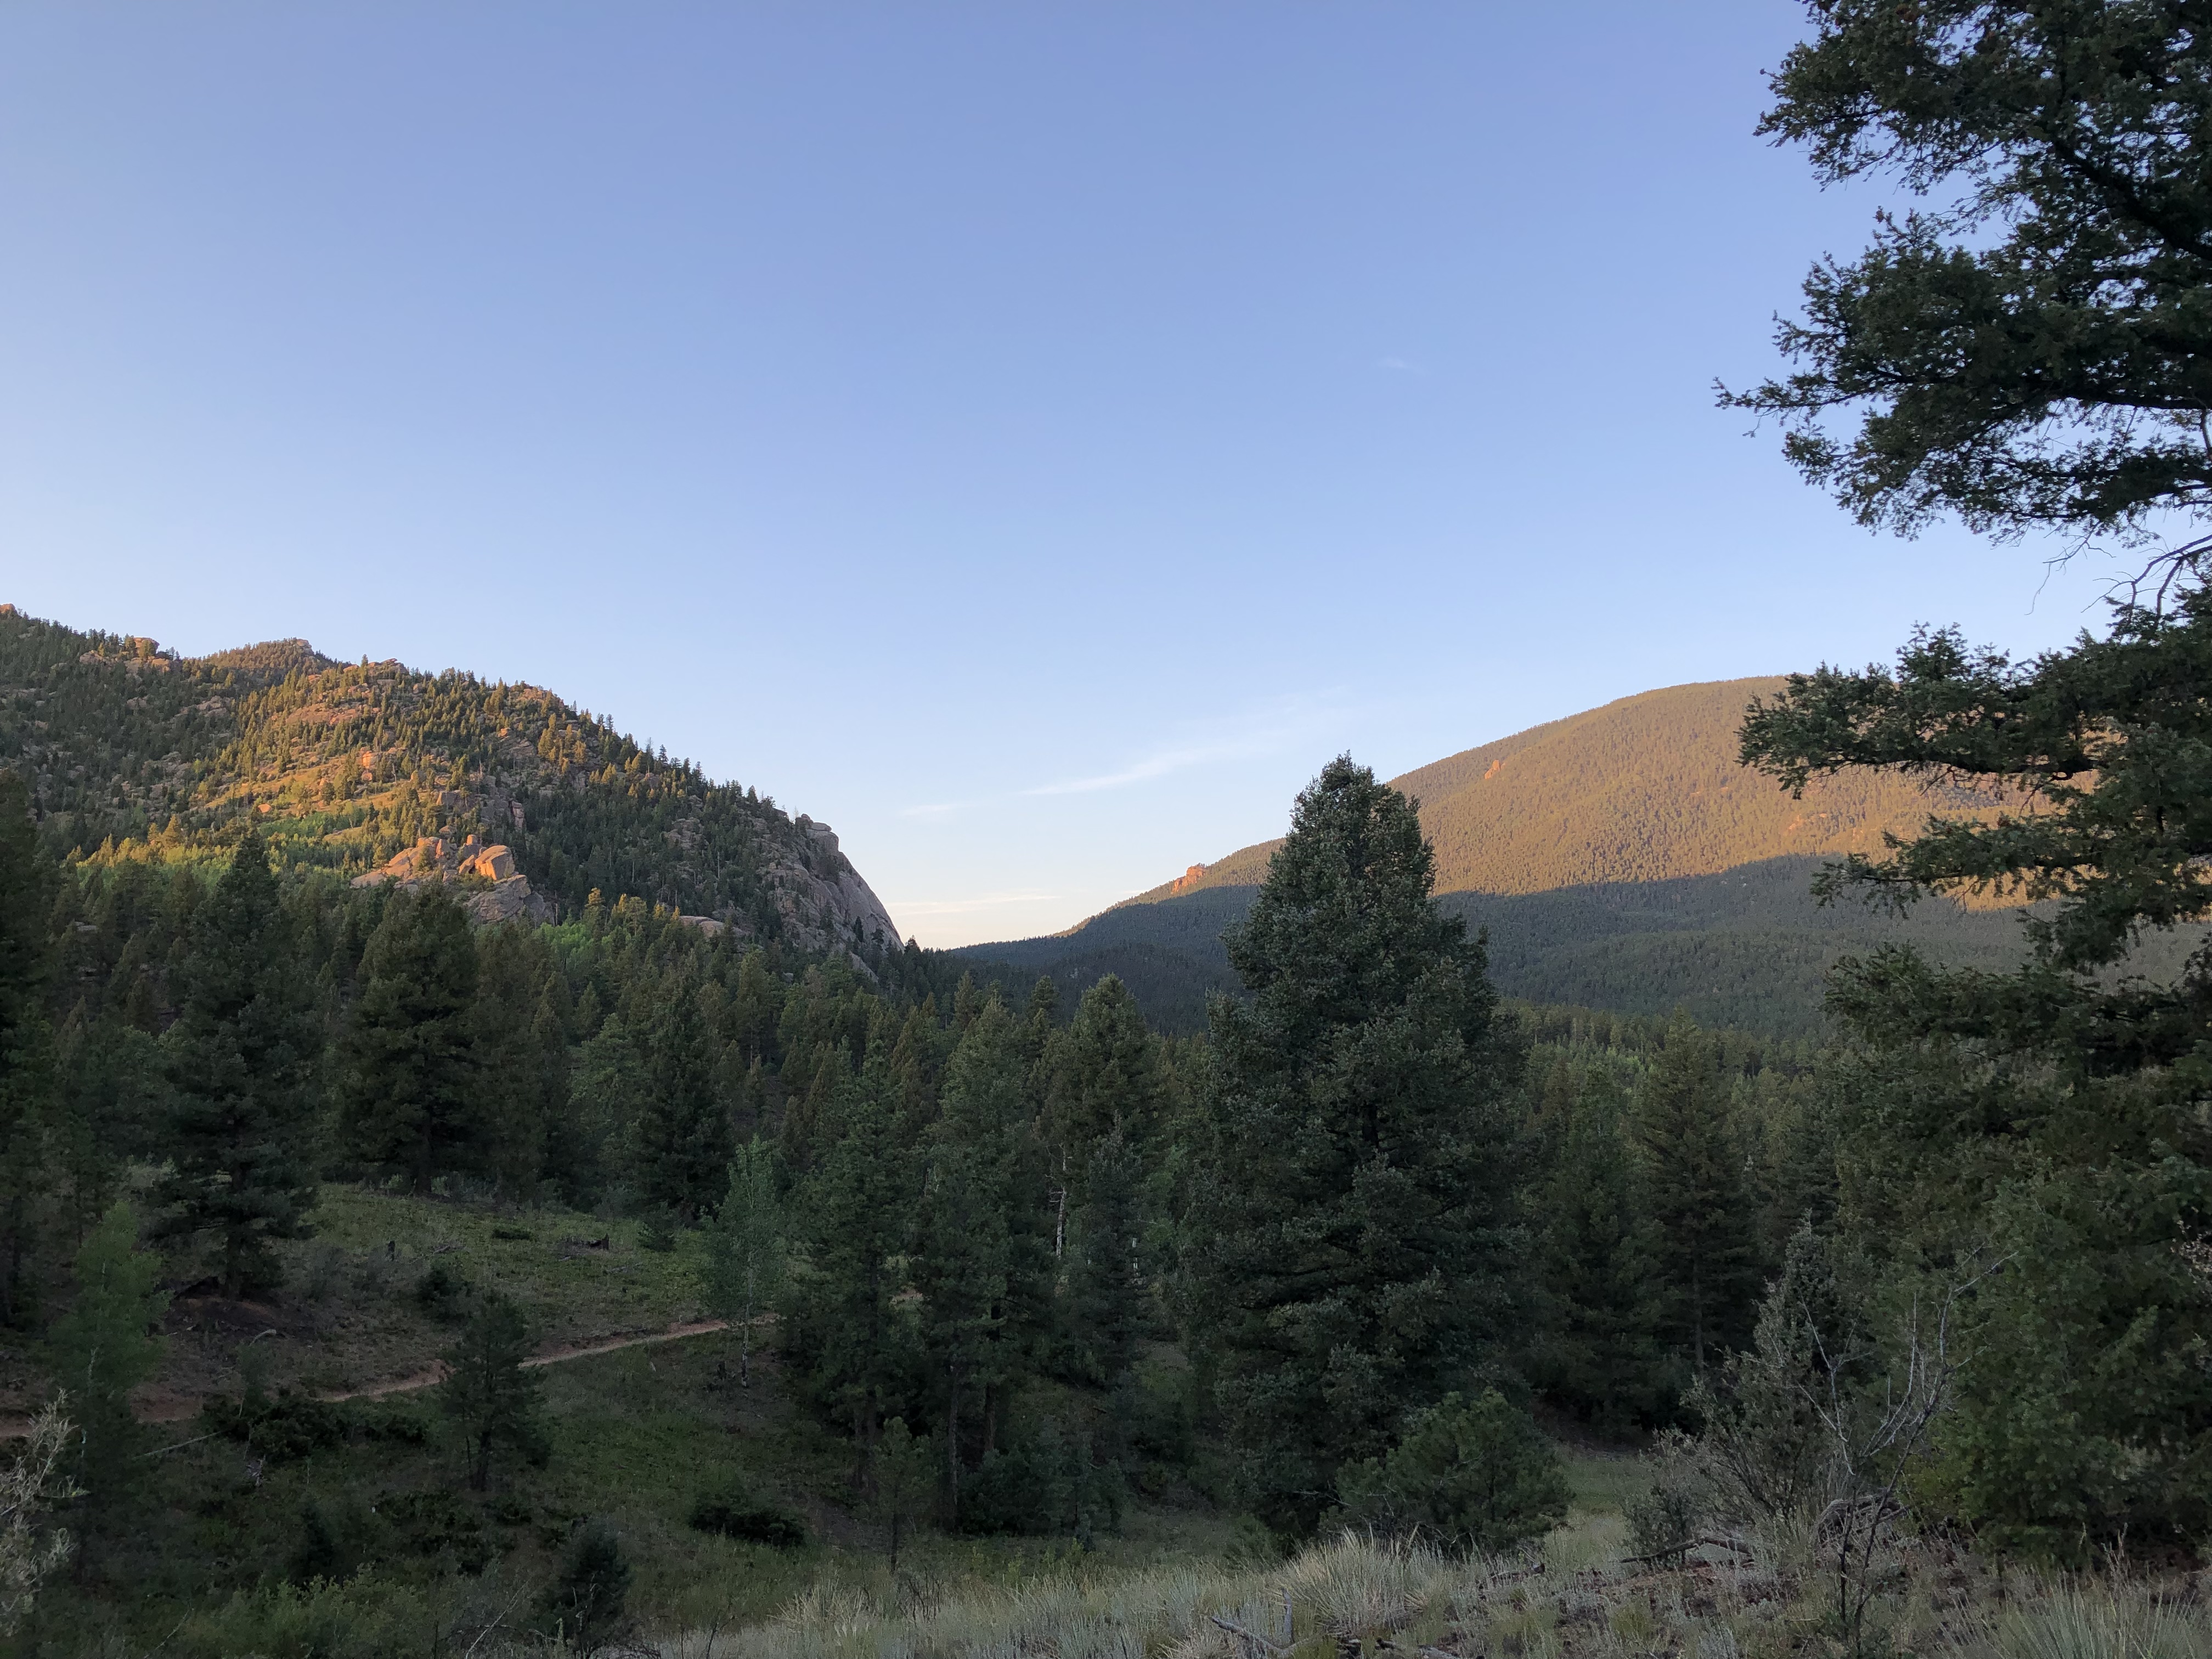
(473,862)
(821,897)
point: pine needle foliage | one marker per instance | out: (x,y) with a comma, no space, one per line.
(240,1064)
(1358,1244)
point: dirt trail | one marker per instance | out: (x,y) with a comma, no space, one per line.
(436,1373)
(178,1410)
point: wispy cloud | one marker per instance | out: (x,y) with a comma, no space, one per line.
(1267,729)
(1153,766)
(1263,731)
(1400,366)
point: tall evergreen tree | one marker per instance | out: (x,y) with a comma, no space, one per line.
(963,1265)
(106,1099)
(1105,1080)
(240,1064)
(104,1345)
(684,1140)
(1357,1247)
(26,898)
(1704,1243)
(521,1057)
(487,1391)
(407,1062)
(982,1265)
(1597,1355)
(2026,352)
(848,1331)
(1107,1301)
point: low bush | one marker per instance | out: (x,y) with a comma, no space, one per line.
(441,1292)
(1044,1483)
(737,1515)
(291,1425)
(1477,1474)
(586,1604)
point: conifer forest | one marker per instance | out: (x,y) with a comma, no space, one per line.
(472,1184)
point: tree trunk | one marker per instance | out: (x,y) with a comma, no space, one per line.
(745,1339)
(952,1435)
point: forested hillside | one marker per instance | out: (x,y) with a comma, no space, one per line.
(149,755)
(273,1142)
(1646,788)
(1622,857)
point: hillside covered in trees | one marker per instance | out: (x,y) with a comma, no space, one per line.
(132,752)
(1623,858)
(897,1309)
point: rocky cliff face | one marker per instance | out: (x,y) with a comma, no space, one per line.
(494,891)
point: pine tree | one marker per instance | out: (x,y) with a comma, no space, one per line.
(487,1393)
(1597,1356)
(107,1090)
(1107,1301)
(905,1483)
(521,1057)
(755,1008)
(609,1085)
(967,1003)
(984,1266)
(683,1141)
(1036,1025)
(584,1605)
(104,1346)
(849,1334)
(1105,1080)
(27,1070)
(1703,1242)
(407,1062)
(1356,1249)
(964,1260)
(240,1065)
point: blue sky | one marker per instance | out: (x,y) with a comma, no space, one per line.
(1031,438)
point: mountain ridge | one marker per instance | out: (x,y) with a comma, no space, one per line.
(134,750)
(1621,857)
(1463,818)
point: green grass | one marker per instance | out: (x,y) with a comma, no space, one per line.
(348,1318)
(206,1555)
(1601,1482)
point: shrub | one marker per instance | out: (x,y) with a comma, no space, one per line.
(401,1425)
(334,1542)
(362,1618)
(437,1524)
(1042,1483)
(1476,1475)
(290,1426)
(585,1602)
(1663,1521)
(735,1514)
(325,1268)
(440,1291)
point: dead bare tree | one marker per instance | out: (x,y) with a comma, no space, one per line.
(29,1486)
(1872,1444)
